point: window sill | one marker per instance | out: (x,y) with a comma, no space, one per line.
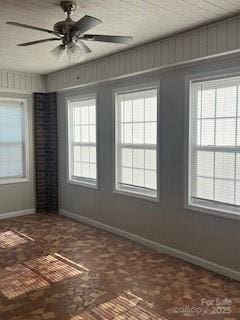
(13,181)
(83,184)
(214,212)
(136,195)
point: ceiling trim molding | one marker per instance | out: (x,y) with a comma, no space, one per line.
(21,82)
(222,37)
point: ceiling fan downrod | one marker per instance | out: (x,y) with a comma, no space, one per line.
(68,7)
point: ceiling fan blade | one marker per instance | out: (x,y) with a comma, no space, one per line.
(16,24)
(37,41)
(84,24)
(59,51)
(84,48)
(107,38)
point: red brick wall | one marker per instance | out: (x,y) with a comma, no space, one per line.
(46,155)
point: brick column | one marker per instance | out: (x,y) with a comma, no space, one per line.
(46,164)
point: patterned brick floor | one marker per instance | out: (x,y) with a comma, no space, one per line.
(55,268)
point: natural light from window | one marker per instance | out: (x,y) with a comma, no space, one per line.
(136,141)
(214,171)
(13,148)
(82,140)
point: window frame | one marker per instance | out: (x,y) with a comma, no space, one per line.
(80,181)
(223,211)
(26,177)
(131,193)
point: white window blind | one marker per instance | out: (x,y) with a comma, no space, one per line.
(82,141)
(12,140)
(136,142)
(214,148)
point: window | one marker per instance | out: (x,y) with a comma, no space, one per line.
(13,141)
(82,141)
(214,145)
(136,142)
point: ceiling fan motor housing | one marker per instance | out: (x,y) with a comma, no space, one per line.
(64,27)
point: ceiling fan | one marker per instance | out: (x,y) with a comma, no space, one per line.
(72,34)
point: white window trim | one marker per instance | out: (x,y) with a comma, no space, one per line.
(81,181)
(225,211)
(131,193)
(26,178)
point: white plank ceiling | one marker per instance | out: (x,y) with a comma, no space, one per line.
(145,20)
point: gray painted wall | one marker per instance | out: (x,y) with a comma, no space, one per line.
(209,237)
(20,196)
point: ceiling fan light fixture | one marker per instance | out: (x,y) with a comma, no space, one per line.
(84,48)
(59,52)
(75,51)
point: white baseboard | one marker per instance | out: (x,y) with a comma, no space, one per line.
(233,274)
(16,214)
